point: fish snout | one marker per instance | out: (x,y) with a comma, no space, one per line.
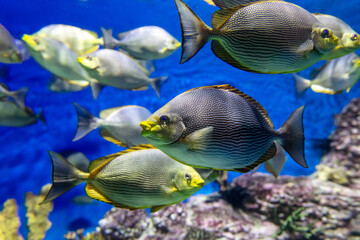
(199,183)
(150,126)
(29,40)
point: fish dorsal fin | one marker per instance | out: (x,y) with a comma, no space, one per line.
(92,192)
(256,104)
(107,112)
(96,165)
(221,16)
(107,136)
(92,33)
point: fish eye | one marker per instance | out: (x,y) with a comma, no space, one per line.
(325,33)
(36,41)
(354,37)
(188,177)
(164,118)
(89,58)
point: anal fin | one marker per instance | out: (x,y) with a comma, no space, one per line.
(157,208)
(266,156)
(107,136)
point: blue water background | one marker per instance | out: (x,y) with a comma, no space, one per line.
(25,165)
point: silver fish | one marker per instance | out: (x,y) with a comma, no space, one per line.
(17,96)
(334,77)
(222,128)
(61,85)
(148,42)
(113,68)
(11,115)
(9,53)
(119,125)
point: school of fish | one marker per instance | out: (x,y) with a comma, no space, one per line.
(173,152)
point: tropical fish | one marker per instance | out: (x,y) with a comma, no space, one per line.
(349,39)
(61,85)
(112,68)
(79,40)
(9,53)
(136,178)
(79,160)
(11,115)
(148,42)
(286,38)
(17,96)
(222,128)
(223,4)
(55,57)
(119,125)
(334,77)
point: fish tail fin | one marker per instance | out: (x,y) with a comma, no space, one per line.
(19,96)
(40,117)
(64,177)
(195,33)
(86,122)
(156,83)
(302,84)
(96,89)
(292,135)
(109,41)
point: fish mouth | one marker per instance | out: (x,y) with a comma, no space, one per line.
(199,183)
(87,62)
(149,127)
(29,40)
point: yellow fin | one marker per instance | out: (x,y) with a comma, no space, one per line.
(256,104)
(210,2)
(157,208)
(96,165)
(320,89)
(221,16)
(107,136)
(92,192)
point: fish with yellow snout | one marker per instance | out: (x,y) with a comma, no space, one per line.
(136,178)
(222,128)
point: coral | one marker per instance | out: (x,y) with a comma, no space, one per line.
(9,221)
(325,205)
(37,215)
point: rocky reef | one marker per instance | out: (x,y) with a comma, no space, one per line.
(325,205)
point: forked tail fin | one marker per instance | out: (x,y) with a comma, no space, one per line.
(195,33)
(109,41)
(302,84)
(64,177)
(86,122)
(19,96)
(292,134)
(156,83)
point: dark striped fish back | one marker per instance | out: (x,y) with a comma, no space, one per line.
(242,132)
(264,36)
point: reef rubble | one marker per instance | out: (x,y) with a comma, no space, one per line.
(325,205)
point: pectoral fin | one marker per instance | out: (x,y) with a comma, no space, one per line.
(199,139)
(306,47)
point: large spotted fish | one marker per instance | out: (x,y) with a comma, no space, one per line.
(222,128)
(262,37)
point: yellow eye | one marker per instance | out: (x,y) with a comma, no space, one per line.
(354,37)
(89,58)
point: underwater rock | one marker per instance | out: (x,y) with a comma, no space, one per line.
(325,205)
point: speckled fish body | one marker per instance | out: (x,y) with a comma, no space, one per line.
(116,69)
(148,42)
(139,177)
(79,40)
(220,127)
(11,115)
(262,37)
(8,49)
(334,77)
(349,39)
(55,57)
